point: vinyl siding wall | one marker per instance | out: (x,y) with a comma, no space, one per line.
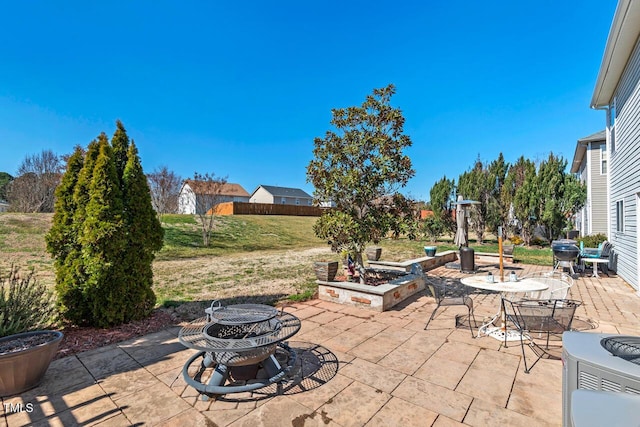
(625,169)
(598,192)
(262,196)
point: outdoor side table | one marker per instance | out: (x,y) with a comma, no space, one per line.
(595,262)
(501,333)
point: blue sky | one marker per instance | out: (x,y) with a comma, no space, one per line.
(242,89)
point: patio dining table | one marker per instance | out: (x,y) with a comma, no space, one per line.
(505,288)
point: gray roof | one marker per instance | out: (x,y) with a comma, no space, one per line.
(598,136)
(581,148)
(285,191)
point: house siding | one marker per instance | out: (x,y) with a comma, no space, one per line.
(583,214)
(598,192)
(625,169)
(187,201)
(262,196)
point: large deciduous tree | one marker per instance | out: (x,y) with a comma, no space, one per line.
(208,189)
(165,190)
(361,166)
(104,235)
(34,187)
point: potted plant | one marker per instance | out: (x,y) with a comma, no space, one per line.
(325,270)
(430,250)
(373,253)
(27,308)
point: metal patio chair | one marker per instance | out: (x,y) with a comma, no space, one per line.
(538,321)
(448,294)
(559,285)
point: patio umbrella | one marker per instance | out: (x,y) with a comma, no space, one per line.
(461,237)
(461,221)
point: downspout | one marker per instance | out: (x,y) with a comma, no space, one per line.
(607,108)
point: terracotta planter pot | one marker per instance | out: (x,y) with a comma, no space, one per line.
(24,369)
(325,270)
(373,253)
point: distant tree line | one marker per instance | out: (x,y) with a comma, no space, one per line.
(517,197)
(33,188)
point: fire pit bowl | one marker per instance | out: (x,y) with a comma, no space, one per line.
(240,342)
(564,252)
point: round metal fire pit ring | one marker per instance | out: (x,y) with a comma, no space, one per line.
(209,390)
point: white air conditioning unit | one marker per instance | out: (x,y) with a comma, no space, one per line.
(588,365)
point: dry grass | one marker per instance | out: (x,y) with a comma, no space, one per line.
(22,244)
(238,267)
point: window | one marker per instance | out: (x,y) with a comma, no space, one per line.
(283,201)
(620,216)
(603,159)
(297,202)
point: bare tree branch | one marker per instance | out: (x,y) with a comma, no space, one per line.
(38,176)
(165,189)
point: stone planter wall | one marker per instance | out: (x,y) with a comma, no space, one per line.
(377,298)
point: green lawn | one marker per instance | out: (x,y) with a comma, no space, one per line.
(234,234)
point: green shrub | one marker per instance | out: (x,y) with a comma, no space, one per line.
(592,240)
(516,240)
(25,304)
(104,235)
(539,241)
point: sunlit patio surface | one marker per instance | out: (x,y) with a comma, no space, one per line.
(390,371)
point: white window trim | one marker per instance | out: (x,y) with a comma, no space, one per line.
(620,216)
(603,152)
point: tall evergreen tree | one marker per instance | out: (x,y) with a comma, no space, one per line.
(62,242)
(526,198)
(144,238)
(104,235)
(120,144)
(476,185)
(441,196)
(497,213)
(71,275)
(60,239)
(103,241)
(514,180)
(551,185)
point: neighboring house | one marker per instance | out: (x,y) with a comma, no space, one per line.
(192,190)
(590,163)
(280,195)
(617,91)
(4,206)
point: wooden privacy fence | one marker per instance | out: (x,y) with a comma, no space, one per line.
(243,208)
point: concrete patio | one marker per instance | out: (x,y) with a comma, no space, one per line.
(390,372)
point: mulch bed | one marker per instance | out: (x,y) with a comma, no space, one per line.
(78,339)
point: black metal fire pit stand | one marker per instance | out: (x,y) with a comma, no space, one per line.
(241,341)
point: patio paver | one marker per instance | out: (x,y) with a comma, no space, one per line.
(390,372)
